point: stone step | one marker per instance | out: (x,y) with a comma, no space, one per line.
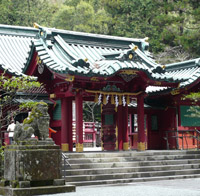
(136,158)
(128,153)
(131,180)
(130,169)
(131,175)
(131,164)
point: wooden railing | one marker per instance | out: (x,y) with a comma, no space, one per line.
(184,136)
(89,133)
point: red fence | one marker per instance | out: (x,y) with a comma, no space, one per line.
(89,133)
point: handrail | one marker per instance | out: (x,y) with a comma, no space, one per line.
(197,137)
(66,162)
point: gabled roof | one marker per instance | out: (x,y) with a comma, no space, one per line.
(75,53)
(87,54)
(14,47)
(189,71)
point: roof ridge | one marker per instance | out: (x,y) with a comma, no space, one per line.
(18,31)
(90,38)
(183,65)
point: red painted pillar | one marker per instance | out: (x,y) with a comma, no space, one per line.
(120,127)
(125,127)
(66,124)
(79,121)
(70,125)
(140,120)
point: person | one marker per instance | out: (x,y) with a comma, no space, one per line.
(10,131)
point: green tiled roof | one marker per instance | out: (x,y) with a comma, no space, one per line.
(14,47)
(87,54)
(188,70)
(84,54)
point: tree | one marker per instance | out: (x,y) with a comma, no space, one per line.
(194,111)
(9,89)
(80,15)
(91,112)
(168,23)
(25,13)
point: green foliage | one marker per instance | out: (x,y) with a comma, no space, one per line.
(25,13)
(194,110)
(81,16)
(195,96)
(168,24)
(10,88)
(2,153)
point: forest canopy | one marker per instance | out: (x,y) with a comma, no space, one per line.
(173,26)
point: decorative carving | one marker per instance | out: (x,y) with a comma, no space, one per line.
(69,78)
(127,78)
(175,92)
(37,123)
(40,68)
(38,60)
(129,72)
(95,79)
(111,88)
(157,83)
(128,75)
(130,55)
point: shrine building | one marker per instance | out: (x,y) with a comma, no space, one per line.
(142,102)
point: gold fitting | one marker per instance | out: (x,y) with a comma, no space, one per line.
(65,147)
(146,39)
(141,146)
(104,100)
(158,83)
(130,56)
(85,59)
(128,100)
(52,96)
(135,48)
(38,60)
(79,147)
(163,66)
(116,145)
(69,78)
(95,79)
(35,25)
(112,99)
(96,98)
(120,100)
(125,146)
(175,92)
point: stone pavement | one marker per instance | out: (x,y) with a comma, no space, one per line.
(186,187)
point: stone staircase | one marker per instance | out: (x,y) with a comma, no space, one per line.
(131,166)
